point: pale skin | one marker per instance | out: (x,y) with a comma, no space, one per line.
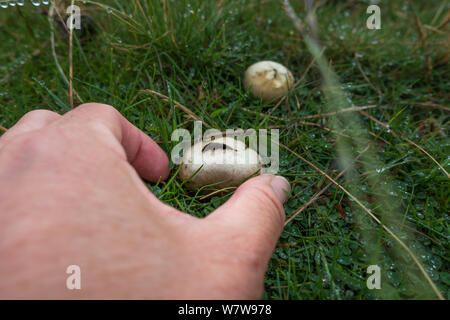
(71,193)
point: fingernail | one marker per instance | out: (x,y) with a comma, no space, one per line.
(281,187)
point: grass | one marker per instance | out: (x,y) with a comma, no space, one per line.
(195,53)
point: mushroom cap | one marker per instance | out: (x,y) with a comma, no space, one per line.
(225,159)
(268,80)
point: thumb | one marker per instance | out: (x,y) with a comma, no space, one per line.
(254,215)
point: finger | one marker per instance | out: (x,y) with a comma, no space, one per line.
(255,213)
(142,152)
(31,121)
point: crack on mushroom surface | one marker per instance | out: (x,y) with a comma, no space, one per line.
(217,146)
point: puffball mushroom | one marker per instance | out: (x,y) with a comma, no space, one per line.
(268,80)
(224,159)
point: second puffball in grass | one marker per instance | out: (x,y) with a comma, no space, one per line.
(268,80)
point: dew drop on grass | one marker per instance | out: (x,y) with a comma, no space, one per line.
(4,4)
(36,3)
(394,277)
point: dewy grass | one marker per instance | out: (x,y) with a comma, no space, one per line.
(163,64)
(386,205)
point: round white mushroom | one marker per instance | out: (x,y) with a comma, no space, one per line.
(225,159)
(268,80)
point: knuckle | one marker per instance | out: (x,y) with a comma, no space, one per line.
(26,146)
(253,261)
(246,251)
(96,116)
(248,268)
(98,107)
(28,141)
(40,114)
(97,128)
(240,271)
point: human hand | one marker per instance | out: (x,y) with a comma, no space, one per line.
(70,194)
